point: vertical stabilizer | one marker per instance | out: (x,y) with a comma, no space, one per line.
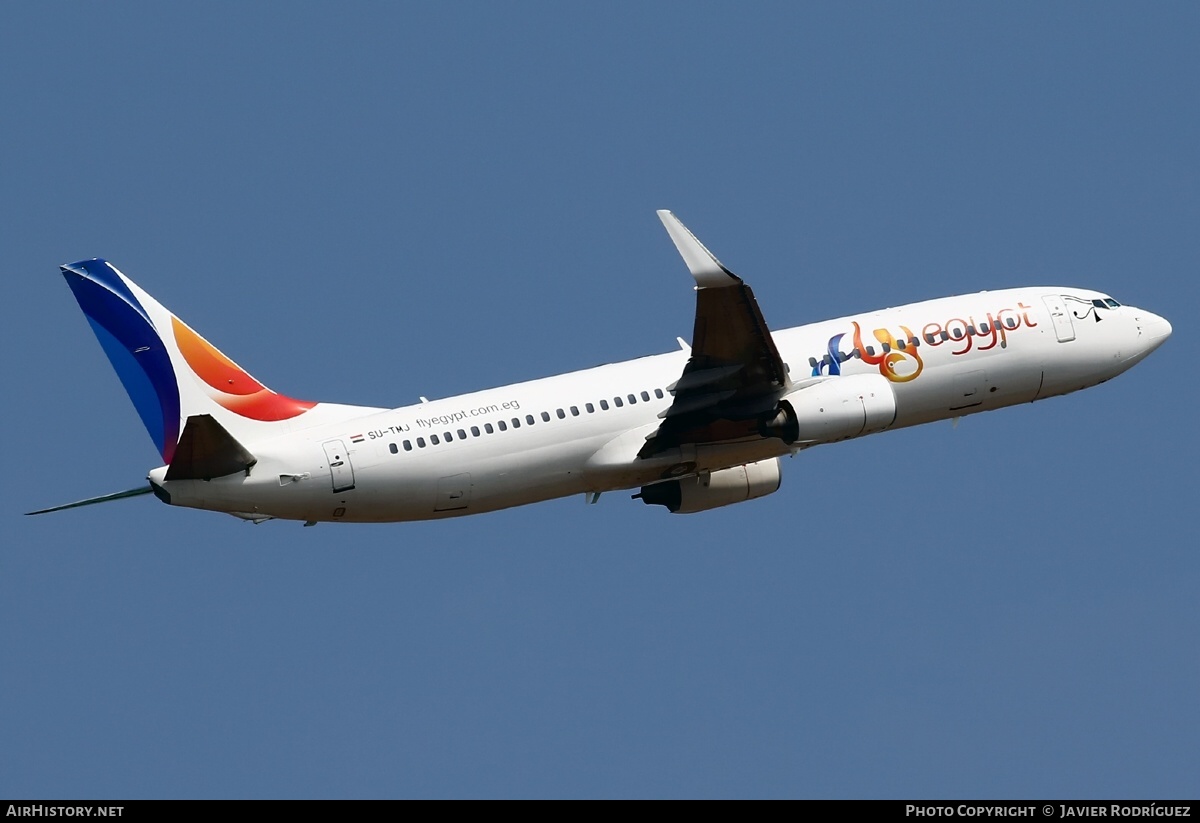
(171,373)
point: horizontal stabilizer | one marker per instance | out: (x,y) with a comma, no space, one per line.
(206,450)
(104,498)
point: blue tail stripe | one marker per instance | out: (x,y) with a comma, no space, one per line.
(133,347)
(98,270)
(137,384)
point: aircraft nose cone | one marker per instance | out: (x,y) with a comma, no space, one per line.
(1156,328)
(1152,331)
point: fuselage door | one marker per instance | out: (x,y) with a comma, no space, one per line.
(340,470)
(1063,327)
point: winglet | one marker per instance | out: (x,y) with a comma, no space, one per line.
(703,264)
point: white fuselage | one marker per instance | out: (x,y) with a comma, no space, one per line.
(480,452)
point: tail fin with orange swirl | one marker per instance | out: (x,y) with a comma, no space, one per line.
(171,373)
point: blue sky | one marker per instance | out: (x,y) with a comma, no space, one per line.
(370,202)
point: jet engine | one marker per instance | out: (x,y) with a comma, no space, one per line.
(714,489)
(833,409)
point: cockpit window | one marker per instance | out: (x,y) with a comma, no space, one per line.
(1112,304)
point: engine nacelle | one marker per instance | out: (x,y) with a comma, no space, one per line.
(834,409)
(714,489)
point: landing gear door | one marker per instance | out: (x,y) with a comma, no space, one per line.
(340,469)
(1063,327)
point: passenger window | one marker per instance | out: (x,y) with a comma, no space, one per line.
(545,417)
(392,448)
(529,419)
(433,439)
(632,399)
(900,345)
(474,431)
(646,396)
(516,421)
(562,415)
(449,437)
(590,408)
(408,445)
(870,351)
(619,402)
(574,411)
(420,442)
(1009,322)
(604,405)
(886,347)
(487,427)
(462,435)
(658,393)
(503,426)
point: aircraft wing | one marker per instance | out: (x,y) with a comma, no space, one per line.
(735,376)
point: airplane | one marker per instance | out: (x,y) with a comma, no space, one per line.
(691,430)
